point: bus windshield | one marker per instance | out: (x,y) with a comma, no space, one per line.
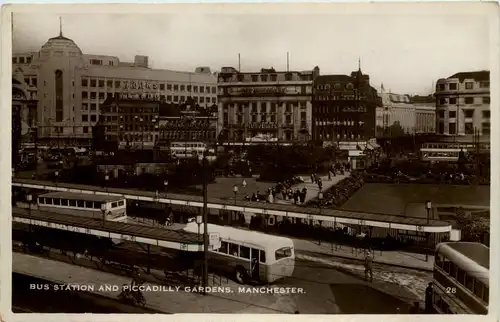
(283,252)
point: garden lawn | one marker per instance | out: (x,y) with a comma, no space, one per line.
(408,199)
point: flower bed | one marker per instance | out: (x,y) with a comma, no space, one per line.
(338,194)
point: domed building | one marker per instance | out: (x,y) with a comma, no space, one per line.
(73,87)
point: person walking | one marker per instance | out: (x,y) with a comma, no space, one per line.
(369,266)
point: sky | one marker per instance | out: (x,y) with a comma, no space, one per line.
(406,52)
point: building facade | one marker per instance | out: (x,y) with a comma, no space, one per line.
(73,86)
(129,122)
(265,106)
(344,108)
(188,122)
(463,104)
(144,124)
(414,115)
(24,107)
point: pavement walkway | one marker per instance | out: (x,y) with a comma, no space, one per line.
(227,300)
(392,258)
(312,188)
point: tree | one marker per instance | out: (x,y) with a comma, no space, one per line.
(396,130)
(475,226)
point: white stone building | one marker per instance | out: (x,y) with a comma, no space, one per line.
(72,86)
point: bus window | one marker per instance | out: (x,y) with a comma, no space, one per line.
(262,256)
(283,252)
(233,249)
(72,203)
(461,276)
(80,203)
(121,203)
(57,202)
(469,282)
(41,201)
(223,247)
(446,265)
(486,294)
(64,202)
(439,260)
(478,289)
(244,252)
(114,205)
(89,204)
(97,205)
(453,270)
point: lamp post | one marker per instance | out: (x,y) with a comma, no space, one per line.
(320,198)
(57,176)
(29,198)
(142,134)
(205,224)
(165,186)
(199,221)
(235,190)
(428,207)
(135,125)
(106,179)
(103,210)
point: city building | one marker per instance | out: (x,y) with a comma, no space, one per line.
(129,122)
(73,86)
(463,104)
(132,123)
(24,104)
(405,114)
(266,106)
(188,122)
(344,108)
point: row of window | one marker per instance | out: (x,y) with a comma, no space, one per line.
(264,118)
(21,60)
(241,251)
(441,304)
(148,118)
(101,83)
(77,203)
(33,81)
(188,135)
(466,100)
(169,98)
(469,128)
(337,86)
(345,97)
(136,138)
(263,78)
(93,118)
(339,134)
(480,290)
(264,106)
(468,85)
(467,114)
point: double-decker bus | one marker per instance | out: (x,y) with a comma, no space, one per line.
(191,150)
(249,255)
(461,278)
(112,208)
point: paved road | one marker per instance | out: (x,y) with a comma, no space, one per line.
(25,300)
(326,291)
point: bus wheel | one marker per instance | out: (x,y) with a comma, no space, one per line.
(240,274)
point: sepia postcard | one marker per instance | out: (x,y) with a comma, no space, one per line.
(325,160)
